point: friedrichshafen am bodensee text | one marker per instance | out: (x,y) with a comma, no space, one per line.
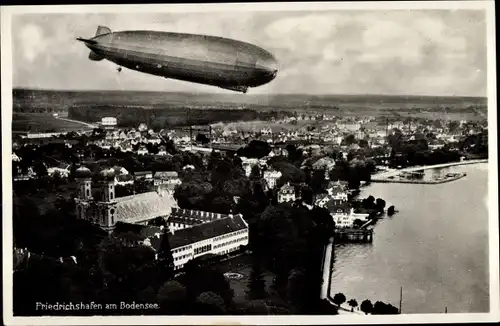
(67,306)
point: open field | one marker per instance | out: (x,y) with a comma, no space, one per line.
(40,122)
(63,99)
(161,109)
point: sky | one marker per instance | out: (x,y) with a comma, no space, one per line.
(426,52)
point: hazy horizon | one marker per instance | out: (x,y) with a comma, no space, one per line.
(242,95)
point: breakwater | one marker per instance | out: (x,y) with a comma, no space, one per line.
(428,182)
(386,177)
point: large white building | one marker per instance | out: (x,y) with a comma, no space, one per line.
(343,215)
(109,122)
(196,233)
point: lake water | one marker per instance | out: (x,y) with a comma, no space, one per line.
(435,247)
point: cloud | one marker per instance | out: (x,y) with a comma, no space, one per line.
(348,52)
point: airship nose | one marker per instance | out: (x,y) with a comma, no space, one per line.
(267,66)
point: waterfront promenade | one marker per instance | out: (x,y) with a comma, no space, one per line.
(327,269)
(385,175)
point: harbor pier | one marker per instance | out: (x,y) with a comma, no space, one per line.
(354,235)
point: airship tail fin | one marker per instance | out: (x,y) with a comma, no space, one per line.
(101,30)
(94,56)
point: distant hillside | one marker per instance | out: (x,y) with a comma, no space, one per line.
(161,109)
(25,100)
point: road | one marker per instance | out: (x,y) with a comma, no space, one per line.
(76,121)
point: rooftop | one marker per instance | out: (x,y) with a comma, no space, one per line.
(206,231)
(192,217)
(165,174)
(334,205)
(145,206)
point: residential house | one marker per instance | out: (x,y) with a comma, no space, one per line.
(142,150)
(124,179)
(143,175)
(343,215)
(248,164)
(162,151)
(154,139)
(321,200)
(286,193)
(119,170)
(271,177)
(166,178)
(62,170)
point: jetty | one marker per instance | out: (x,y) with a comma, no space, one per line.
(398,179)
(353,235)
(393,175)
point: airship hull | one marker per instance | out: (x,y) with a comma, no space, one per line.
(194,58)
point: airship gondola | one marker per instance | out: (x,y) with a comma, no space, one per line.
(203,59)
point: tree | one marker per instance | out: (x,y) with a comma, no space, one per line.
(256,284)
(209,303)
(339,299)
(172,297)
(357,223)
(349,140)
(202,138)
(369,202)
(317,181)
(353,303)
(380,204)
(296,288)
(379,308)
(255,173)
(40,169)
(366,306)
(256,307)
(453,126)
(363,143)
(256,149)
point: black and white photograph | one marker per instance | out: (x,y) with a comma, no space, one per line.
(250,163)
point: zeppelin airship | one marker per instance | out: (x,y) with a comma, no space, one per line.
(210,60)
